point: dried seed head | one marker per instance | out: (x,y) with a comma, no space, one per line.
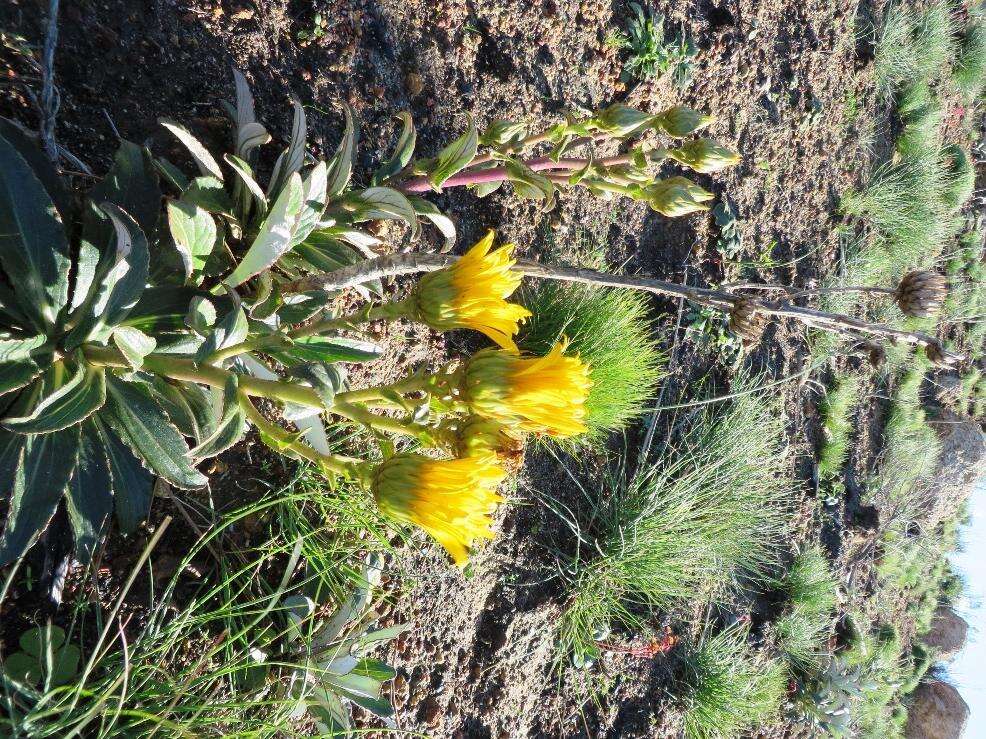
(921,294)
(746,321)
(938,356)
(877,355)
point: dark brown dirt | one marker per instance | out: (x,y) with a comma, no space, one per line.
(479,662)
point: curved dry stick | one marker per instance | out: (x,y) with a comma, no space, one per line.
(407,264)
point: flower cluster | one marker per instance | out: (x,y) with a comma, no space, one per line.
(505,396)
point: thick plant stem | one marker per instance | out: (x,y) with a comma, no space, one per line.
(185,369)
(371,394)
(406,264)
(332,462)
(378,423)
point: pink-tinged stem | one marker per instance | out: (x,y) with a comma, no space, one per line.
(496,174)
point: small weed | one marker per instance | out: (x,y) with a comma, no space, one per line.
(803,628)
(319,28)
(730,690)
(652,52)
(837,409)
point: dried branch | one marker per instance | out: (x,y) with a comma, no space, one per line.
(406,264)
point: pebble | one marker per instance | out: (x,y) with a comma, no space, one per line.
(414,83)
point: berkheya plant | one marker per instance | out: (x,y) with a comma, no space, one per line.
(135,344)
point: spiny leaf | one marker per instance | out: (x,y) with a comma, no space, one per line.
(341,166)
(38,486)
(291,159)
(90,495)
(144,427)
(134,344)
(194,234)
(33,249)
(230,426)
(403,151)
(72,403)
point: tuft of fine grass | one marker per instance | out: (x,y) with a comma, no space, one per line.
(837,411)
(911,448)
(913,44)
(961,181)
(803,628)
(611,331)
(731,691)
(685,526)
(969,72)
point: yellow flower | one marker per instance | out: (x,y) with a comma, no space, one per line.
(540,394)
(450,499)
(472,294)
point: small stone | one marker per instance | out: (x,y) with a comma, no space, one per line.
(414,83)
(429,711)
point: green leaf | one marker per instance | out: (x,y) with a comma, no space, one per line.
(455,157)
(230,427)
(201,314)
(131,185)
(210,194)
(144,427)
(90,495)
(34,252)
(302,306)
(326,350)
(403,151)
(72,403)
(23,668)
(189,407)
(353,684)
(65,665)
(194,233)
(35,642)
(111,301)
(206,163)
(290,161)
(249,133)
(375,669)
(133,344)
(131,481)
(331,716)
(386,203)
(17,367)
(242,170)
(326,379)
(171,173)
(442,222)
(28,147)
(530,184)
(341,167)
(275,234)
(164,307)
(39,484)
(313,203)
(230,331)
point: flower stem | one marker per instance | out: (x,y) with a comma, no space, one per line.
(177,368)
(379,423)
(333,462)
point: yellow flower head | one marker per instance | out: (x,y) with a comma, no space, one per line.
(472,294)
(450,499)
(540,394)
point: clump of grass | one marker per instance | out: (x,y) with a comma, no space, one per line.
(910,446)
(682,528)
(904,202)
(969,72)
(837,412)
(921,113)
(803,628)
(611,331)
(729,689)
(961,181)
(913,44)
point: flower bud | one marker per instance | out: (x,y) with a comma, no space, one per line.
(921,294)
(681,121)
(476,436)
(676,196)
(704,155)
(503,131)
(620,120)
